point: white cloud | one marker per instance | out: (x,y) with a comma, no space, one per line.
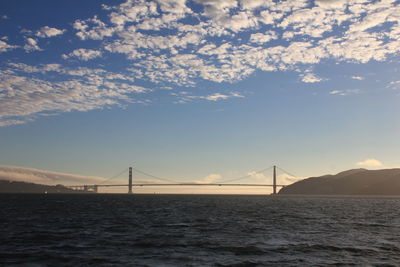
(239,22)
(94,29)
(337,92)
(209,178)
(299,53)
(83,54)
(393,84)
(370,163)
(257,175)
(168,44)
(47,31)
(373,18)
(345,92)
(13,173)
(331,3)
(311,78)
(360,78)
(174,6)
(5,47)
(254,4)
(132,11)
(214,97)
(263,38)
(286,179)
(31,45)
(4,123)
(4,17)
(26,95)
(322,31)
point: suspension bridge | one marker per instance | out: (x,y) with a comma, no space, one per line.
(168,182)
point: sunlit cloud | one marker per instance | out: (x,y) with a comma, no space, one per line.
(182,43)
(286,179)
(218,96)
(186,97)
(393,84)
(228,18)
(370,163)
(5,47)
(209,178)
(31,45)
(47,31)
(26,94)
(360,78)
(257,175)
(345,92)
(83,54)
(311,78)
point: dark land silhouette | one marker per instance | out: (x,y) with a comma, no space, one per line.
(351,182)
(23,187)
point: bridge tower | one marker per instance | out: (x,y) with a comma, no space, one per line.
(274,184)
(130,181)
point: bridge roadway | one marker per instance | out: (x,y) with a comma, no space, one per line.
(186,184)
(94,188)
(177,184)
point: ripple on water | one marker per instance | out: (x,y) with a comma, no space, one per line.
(187,230)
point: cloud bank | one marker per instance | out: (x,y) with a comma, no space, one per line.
(13,173)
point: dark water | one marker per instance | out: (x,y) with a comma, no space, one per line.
(198,230)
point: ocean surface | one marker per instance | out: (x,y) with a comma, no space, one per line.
(198,230)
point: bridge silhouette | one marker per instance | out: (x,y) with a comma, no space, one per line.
(168,182)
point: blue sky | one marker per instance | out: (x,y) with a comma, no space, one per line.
(200,90)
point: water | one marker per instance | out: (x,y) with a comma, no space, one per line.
(198,230)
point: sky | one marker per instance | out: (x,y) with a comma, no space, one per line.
(198,90)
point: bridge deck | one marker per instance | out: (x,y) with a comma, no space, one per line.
(178,184)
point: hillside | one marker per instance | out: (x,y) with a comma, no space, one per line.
(22,187)
(351,182)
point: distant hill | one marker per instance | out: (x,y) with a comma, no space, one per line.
(22,187)
(351,182)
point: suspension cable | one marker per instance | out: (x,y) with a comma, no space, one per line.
(174,181)
(286,172)
(155,177)
(246,176)
(115,176)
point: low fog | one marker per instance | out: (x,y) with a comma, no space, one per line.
(15,173)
